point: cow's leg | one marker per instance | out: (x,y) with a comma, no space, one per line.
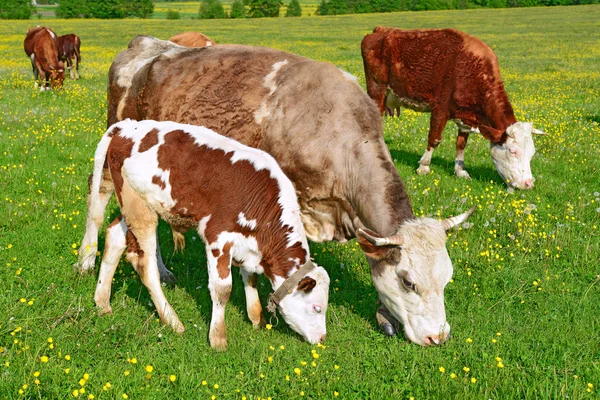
(70,68)
(461,142)
(388,324)
(437,124)
(166,276)
(95,217)
(41,75)
(142,223)
(219,284)
(113,250)
(255,311)
(36,73)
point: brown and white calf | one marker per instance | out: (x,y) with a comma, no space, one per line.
(455,76)
(238,200)
(41,46)
(69,50)
(325,133)
(192,39)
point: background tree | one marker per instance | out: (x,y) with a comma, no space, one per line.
(105,9)
(71,9)
(137,8)
(238,9)
(210,9)
(293,9)
(15,9)
(264,8)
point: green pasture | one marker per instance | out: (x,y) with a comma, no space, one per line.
(523,305)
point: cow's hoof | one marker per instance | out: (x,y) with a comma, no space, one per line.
(423,170)
(461,173)
(219,344)
(103,308)
(388,329)
(167,277)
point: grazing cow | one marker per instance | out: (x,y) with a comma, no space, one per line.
(327,136)
(456,77)
(41,46)
(236,197)
(69,49)
(192,39)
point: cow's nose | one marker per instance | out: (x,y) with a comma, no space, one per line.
(527,183)
(436,340)
(322,339)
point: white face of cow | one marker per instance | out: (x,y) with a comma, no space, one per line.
(304,309)
(512,159)
(410,270)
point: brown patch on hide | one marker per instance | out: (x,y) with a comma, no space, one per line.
(216,253)
(306,284)
(157,180)
(118,151)
(150,140)
(224,261)
(205,182)
(191,39)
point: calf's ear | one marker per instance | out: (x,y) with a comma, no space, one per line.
(375,245)
(306,284)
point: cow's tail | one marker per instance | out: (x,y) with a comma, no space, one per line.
(96,208)
(178,240)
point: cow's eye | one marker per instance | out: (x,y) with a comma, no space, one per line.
(317,309)
(409,285)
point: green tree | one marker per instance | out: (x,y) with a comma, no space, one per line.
(15,9)
(293,9)
(264,8)
(210,9)
(238,10)
(323,8)
(137,8)
(106,9)
(71,9)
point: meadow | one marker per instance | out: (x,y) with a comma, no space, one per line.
(523,303)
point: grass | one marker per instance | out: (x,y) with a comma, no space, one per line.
(523,303)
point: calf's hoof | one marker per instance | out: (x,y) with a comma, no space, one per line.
(387,323)
(167,277)
(423,170)
(219,344)
(461,173)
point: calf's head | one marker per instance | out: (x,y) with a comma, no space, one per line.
(57,76)
(513,158)
(410,270)
(304,309)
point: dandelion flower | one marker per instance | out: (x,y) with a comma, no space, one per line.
(335,394)
(453,375)
(134,360)
(268,326)
(126,373)
(473,380)
(297,371)
(500,365)
(44,359)
(172,378)
(36,373)
(466,369)
(469,340)
(149,368)
(204,383)
(67,357)
(124,395)
(216,386)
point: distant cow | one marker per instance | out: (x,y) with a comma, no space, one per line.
(192,39)
(69,49)
(456,77)
(41,46)
(238,200)
(325,133)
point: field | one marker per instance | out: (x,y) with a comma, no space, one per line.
(523,303)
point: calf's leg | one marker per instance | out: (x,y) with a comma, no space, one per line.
(255,311)
(437,124)
(113,250)
(459,163)
(219,284)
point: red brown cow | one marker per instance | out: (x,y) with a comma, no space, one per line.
(192,39)
(297,110)
(69,50)
(41,46)
(455,76)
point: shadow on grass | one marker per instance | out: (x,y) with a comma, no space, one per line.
(593,118)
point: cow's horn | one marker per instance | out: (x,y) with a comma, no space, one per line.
(537,131)
(394,240)
(453,221)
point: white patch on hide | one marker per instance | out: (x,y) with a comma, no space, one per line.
(269,83)
(245,223)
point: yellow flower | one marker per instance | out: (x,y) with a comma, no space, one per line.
(50,340)
(75,393)
(466,369)
(297,371)
(287,377)
(270,359)
(91,396)
(453,375)
(336,367)
(126,373)
(469,340)
(216,385)
(134,360)
(442,370)
(269,326)
(149,368)
(335,394)
(124,395)
(82,382)
(281,347)
(589,385)
(303,363)
(500,365)
(44,359)
(203,383)
(86,376)
(172,378)
(67,357)
(36,373)
(67,370)
(315,355)
(473,380)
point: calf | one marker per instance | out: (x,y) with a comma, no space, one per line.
(41,46)
(192,39)
(69,49)
(456,77)
(237,198)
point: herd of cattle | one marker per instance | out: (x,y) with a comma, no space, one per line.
(243,155)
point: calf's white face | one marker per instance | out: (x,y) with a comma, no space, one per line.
(410,270)
(513,158)
(304,309)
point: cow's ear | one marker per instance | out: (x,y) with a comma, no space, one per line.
(375,245)
(306,284)
(491,134)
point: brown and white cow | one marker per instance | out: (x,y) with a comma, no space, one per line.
(238,200)
(41,46)
(327,136)
(455,76)
(192,39)
(69,50)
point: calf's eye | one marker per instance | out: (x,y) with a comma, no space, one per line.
(409,285)
(317,309)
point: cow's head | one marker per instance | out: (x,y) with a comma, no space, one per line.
(410,270)
(304,309)
(513,158)
(57,76)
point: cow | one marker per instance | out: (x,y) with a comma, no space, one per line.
(69,49)
(238,200)
(327,136)
(455,76)
(192,39)
(41,47)
(392,104)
